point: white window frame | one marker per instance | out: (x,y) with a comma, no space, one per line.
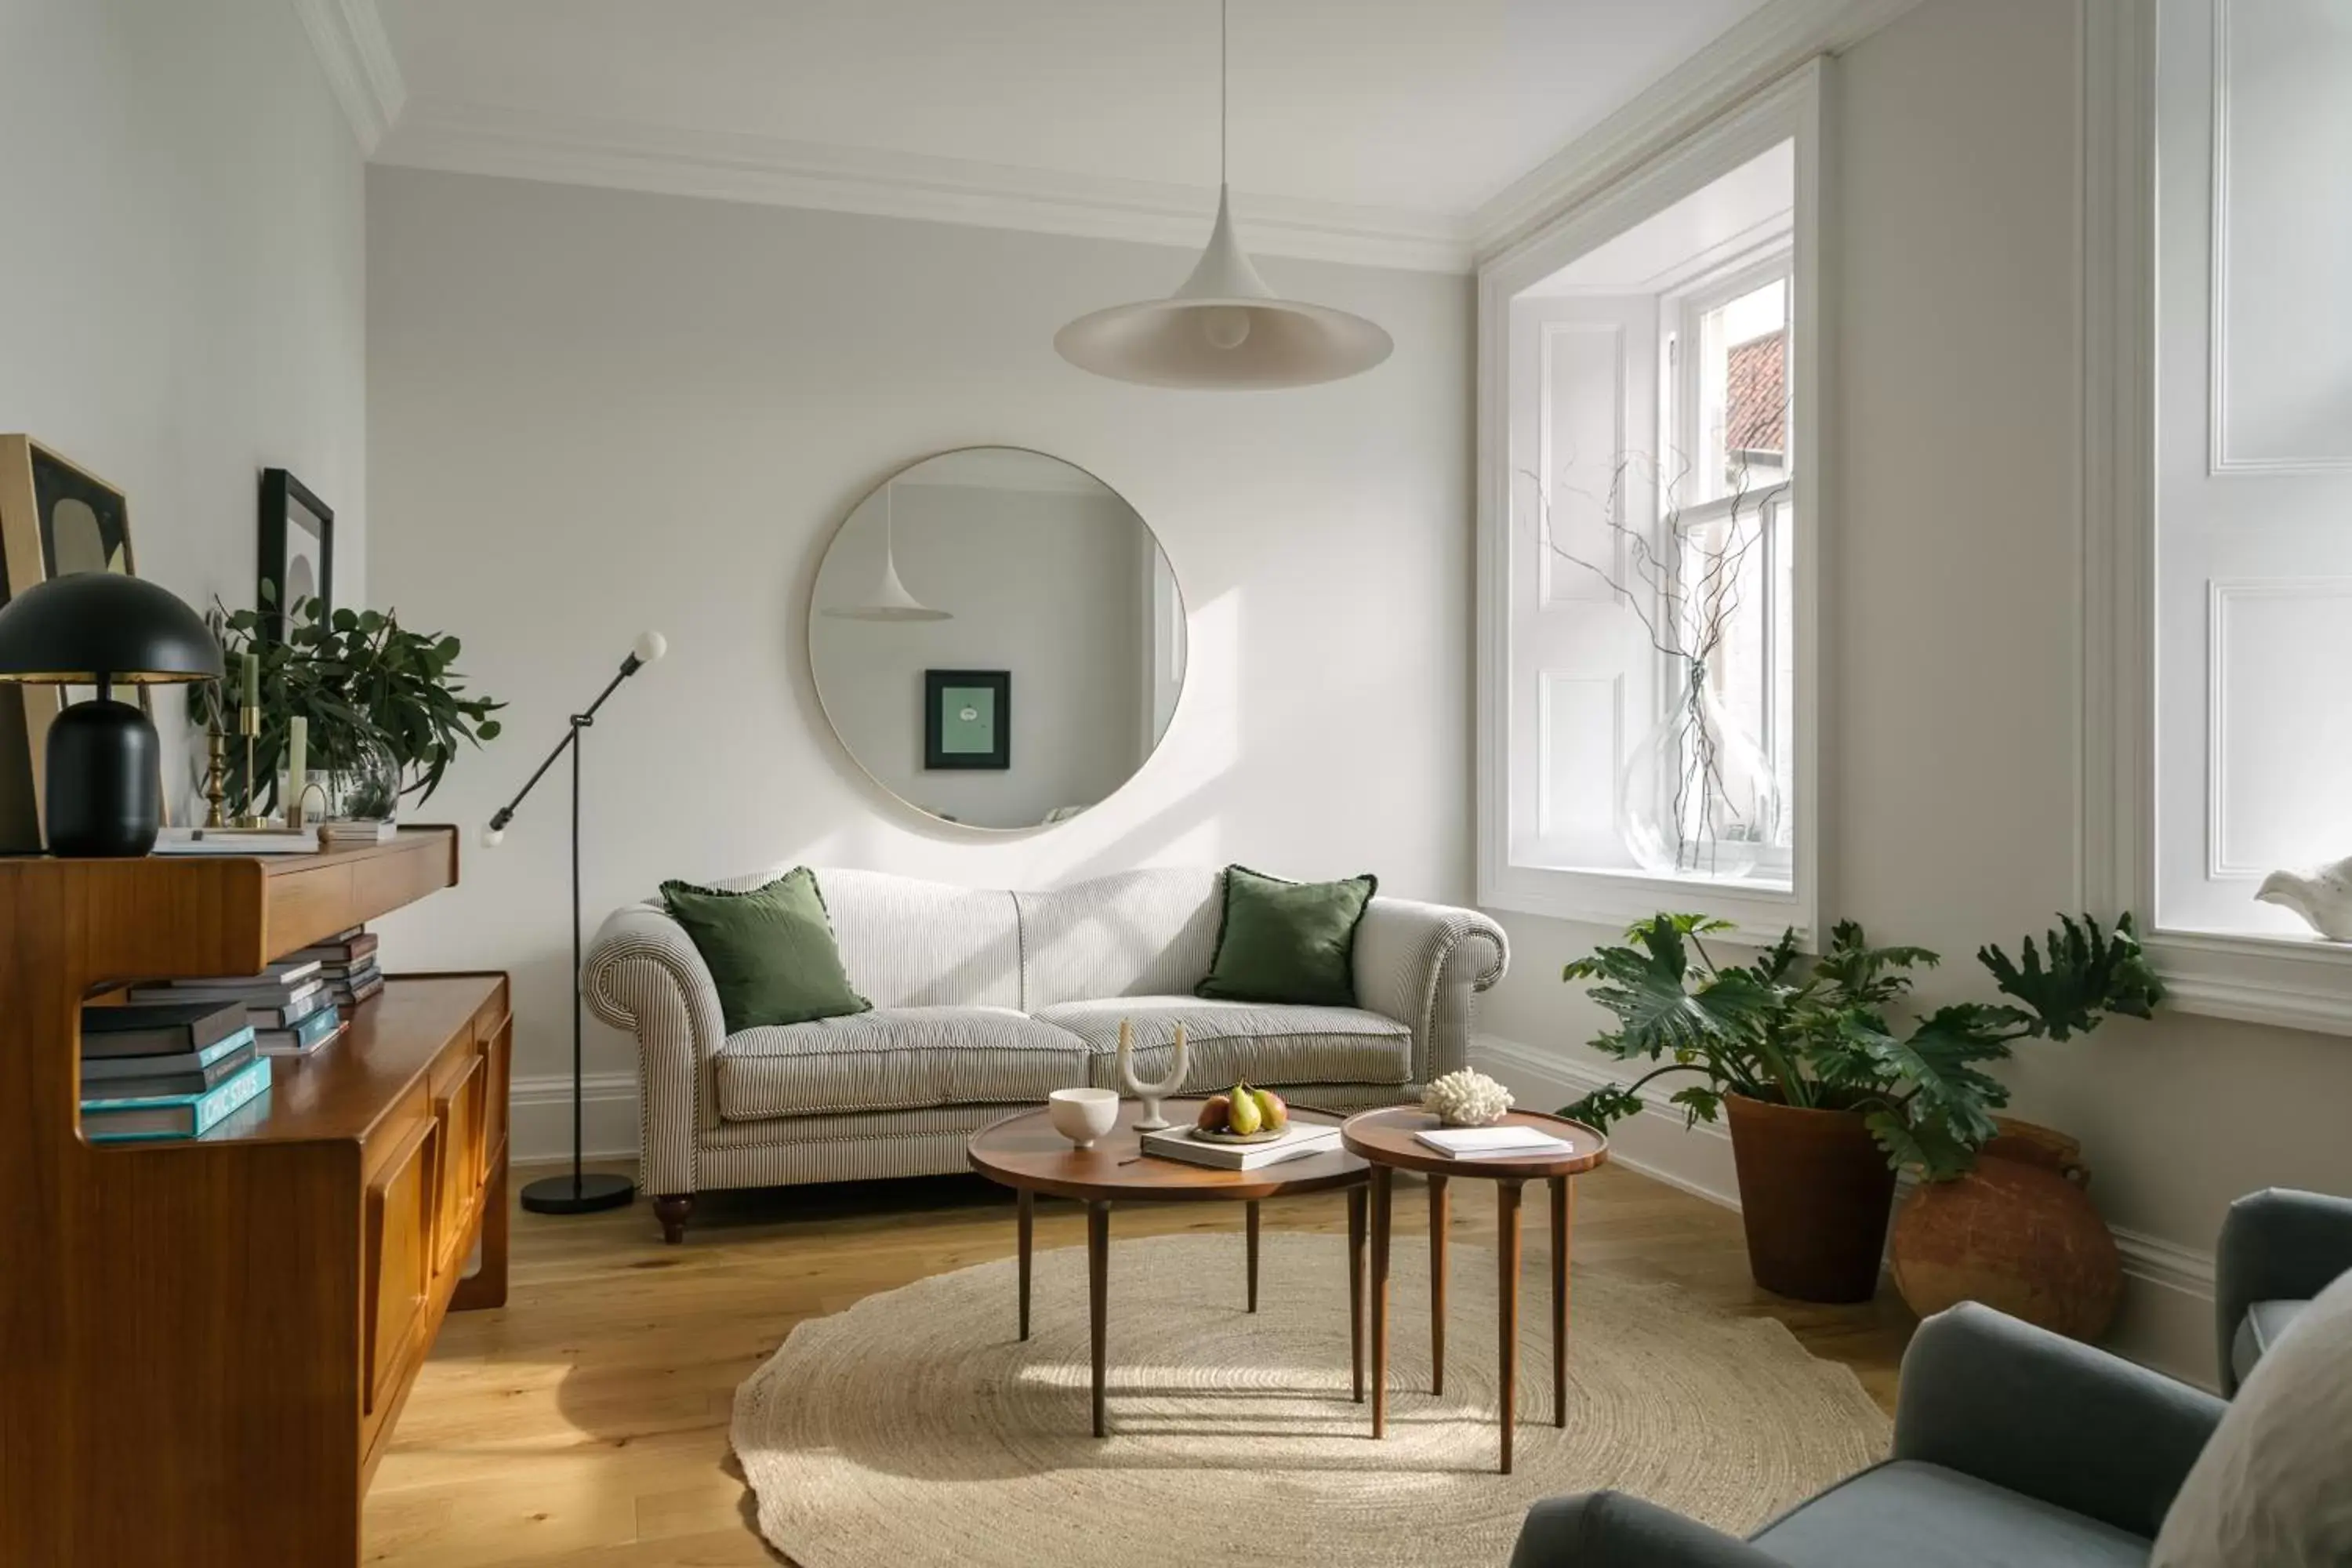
(1789,111)
(2285,980)
(1716,287)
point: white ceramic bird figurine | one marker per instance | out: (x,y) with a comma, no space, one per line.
(2323,898)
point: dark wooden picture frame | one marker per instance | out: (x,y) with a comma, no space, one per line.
(937,684)
(289,509)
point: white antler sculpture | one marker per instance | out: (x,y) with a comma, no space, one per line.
(1150,1093)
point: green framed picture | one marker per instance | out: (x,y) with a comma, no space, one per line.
(967,719)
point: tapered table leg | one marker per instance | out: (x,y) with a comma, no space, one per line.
(1252,1206)
(1438,1211)
(1025,1223)
(1506,1251)
(1380,1195)
(1098,1297)
(1356,1290)
(1563,1215)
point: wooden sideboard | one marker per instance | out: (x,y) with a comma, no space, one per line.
(203,1346)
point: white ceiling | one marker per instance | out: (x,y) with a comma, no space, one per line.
(1378,117)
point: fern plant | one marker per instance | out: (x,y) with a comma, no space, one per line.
(1816,1034)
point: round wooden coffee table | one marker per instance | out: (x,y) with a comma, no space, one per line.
(1385,1138)
(1026,1153)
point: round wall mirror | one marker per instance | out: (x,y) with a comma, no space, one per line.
(997,638)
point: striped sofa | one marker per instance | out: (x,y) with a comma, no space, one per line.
(987,1000)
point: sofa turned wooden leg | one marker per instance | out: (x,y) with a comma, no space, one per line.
(672,1209)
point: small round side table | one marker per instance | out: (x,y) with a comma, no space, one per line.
(1384,1139)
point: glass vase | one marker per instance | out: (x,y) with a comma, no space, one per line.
(1698,798)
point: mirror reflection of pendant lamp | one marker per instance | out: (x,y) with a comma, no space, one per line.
(886,599)
(1225,329)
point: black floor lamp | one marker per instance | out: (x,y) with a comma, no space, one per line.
(579,1192)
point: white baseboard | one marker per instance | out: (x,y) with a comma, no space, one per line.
(2167,1318)
(539,1118)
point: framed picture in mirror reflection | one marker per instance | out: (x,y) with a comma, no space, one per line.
(967,719)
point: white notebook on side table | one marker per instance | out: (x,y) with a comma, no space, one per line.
(1494,1142)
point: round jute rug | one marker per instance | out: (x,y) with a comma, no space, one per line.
(916,1428)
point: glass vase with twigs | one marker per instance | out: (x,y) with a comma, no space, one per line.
(1698,796)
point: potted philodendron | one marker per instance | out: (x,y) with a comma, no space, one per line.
(1827,1097)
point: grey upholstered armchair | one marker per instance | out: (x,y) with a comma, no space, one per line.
(2279,1248)
(2011,1445)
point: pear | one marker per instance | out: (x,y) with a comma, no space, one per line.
(1271,1109)
(1212,1114)
(1245,1118)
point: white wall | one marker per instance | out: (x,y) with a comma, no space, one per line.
(182,276)
(1047,585)
(594,411)
(1951,798)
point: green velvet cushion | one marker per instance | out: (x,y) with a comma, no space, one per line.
(1288,942)
(771,950)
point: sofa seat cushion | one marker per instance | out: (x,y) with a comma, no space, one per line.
(2258,1331)
(896,1058)
(1268,1043)
(1924,1516)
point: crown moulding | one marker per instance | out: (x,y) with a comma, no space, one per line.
(426,131)
(356,55)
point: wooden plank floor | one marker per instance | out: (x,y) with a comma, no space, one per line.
(584,1426)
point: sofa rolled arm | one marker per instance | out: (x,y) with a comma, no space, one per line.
(642,974)
(1420,964)
(2277,1244)
(1993,1397)
(1610,1530)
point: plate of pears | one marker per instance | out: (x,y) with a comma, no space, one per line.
(1242,1115)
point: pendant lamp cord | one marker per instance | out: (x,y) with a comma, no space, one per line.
(1224,68)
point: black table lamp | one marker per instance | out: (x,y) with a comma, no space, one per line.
(104,793)
(580,1191)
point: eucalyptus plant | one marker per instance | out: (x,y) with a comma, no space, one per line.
(362,679)
(1816,1034)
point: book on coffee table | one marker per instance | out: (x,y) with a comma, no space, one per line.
(1496,1143)
(1299,1139)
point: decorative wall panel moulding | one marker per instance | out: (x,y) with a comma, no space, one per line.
(476,138)
(2228,453)
(1758,50)
(349,38)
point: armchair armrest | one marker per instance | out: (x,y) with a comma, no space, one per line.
(2022,1407)
(1420,963)
(2277,1244)
(1610,1530)
(644,974)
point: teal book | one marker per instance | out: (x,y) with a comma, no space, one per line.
(307,1034)
(175,1116)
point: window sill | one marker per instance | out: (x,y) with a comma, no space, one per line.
(1758,911)
(2291,982)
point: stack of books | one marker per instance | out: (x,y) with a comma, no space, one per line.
(174,1069)
(347,965)
(1496,1143)
(1299,1139)
(289,1005)
(343,835)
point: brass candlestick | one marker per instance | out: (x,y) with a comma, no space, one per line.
(248,722)
(215,774)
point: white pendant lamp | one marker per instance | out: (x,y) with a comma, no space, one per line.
(1225,329)
(887,599)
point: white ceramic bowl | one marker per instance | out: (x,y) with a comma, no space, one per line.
(1083,1115)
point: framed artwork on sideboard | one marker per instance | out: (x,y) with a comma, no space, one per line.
(55,517)
(297,550)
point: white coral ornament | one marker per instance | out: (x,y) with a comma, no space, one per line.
(1466,1098)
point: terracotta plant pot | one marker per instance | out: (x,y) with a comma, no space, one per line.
(2017,1233)
(1814,1191)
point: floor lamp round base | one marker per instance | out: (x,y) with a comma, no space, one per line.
(586,1194)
